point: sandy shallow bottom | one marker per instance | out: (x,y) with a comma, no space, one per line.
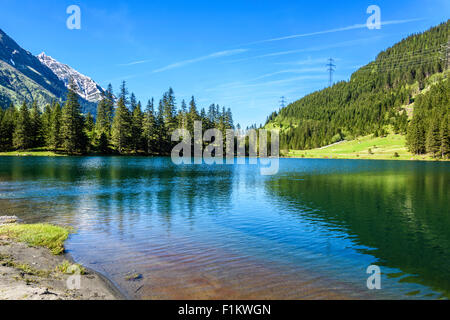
(40,280)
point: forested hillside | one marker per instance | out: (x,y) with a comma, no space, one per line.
(374,99)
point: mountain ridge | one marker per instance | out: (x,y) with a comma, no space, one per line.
(22,71)
(24,78)
(87,88)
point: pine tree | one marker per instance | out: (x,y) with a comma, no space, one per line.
(229,119)
(445,138)
(109,95)
(133,102)
(102,124)
(192,116)
(103,143)
(36,126)
(72,124)
(169,111)
(416,137)
(149,128)
(121,127)
(7,127)
(105,116)
(89,129)
(124,94)
(22,139)
(55,139)
(137,123)
(46,125)
(183,116)
(434,138)
(160,130)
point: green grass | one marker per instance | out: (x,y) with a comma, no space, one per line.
(391,147)
(69,268)
(31,153)
(7,261)
(38,235)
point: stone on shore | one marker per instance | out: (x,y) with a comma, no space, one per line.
(4,220)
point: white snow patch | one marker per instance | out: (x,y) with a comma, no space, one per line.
(86,87)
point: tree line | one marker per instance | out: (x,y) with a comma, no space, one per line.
(121,126)
(429,130)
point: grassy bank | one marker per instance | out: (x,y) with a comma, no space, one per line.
(31,153)
(38,235)
(391,147)
(33,267)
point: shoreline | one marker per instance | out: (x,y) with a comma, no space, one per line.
(364,159)
(29,272)
(306,157)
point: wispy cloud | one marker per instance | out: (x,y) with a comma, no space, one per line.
(241,85)
(319,48)
(306,62)
(352,27)
(134,63)
(203,58)
(295,71)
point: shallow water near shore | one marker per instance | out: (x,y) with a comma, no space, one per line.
(227,232)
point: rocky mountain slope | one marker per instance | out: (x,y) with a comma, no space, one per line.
(86,87)
(23,77)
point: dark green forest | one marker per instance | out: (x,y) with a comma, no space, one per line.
(373,101)
(122,125)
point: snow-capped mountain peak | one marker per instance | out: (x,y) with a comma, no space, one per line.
(87,88)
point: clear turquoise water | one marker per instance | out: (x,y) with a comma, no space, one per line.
(226,232)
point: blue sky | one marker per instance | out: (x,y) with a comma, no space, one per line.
(240,54)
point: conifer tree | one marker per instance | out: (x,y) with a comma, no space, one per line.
(169,111)
(36,126)
(55,140)
(133,102)
(22,139)
(46,125)
(104,118)
(121,127)
(137,123)
(192,116)
(72,124)
(89,128)
(7,123)
(445,138)
(183,116)
(124,94)
(416,137)
(160,130)
(102,124)
(109,95)
(434,138)
(149,128)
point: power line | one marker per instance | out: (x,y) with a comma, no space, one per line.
(331,68)
(282,102)
(407,59)
(401,66)
(410,59)
(416,52)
